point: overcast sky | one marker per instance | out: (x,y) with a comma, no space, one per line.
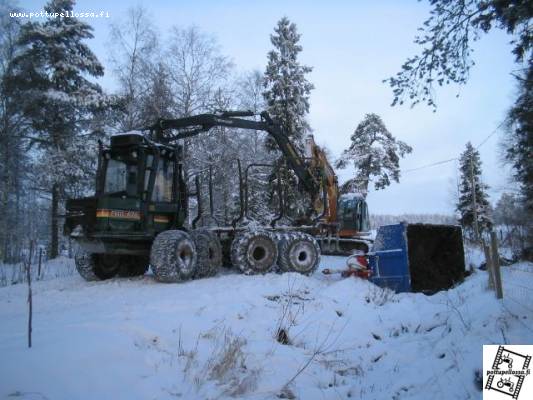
(352,46)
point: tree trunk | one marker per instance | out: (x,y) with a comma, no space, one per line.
(4,203)
(19,224)
(54,234)
(6,162)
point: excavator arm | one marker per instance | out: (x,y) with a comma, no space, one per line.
(319,161)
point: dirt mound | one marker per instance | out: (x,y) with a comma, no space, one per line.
(436,256)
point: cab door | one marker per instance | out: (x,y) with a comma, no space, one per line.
(163,206)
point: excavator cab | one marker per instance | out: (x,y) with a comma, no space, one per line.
(353,215)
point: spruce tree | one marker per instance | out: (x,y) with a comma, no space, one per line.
(375,155)
(286,86)
(470,186)
(286,94)
(519,149)
(49,77)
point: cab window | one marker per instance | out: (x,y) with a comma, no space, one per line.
(163,181)
(348,210)
(120,177)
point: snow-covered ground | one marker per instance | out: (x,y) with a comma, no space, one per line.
(216,338)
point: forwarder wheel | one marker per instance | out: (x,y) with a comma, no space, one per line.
(209,252)
(298,252)
(254,252)
(130,266)
(95,267)
(173,256)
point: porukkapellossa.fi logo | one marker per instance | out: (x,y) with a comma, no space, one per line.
(507,373)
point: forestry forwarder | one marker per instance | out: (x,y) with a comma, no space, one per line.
(138,215)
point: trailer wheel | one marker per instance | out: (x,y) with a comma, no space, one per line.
(130,266)
(209,252)
(254,252)
(173,256)
(95,267)
(298,252)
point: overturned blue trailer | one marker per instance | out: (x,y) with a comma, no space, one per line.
(417,257)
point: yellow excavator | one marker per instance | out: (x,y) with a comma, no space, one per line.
(344,225)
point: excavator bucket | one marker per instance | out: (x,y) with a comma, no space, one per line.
(417,257)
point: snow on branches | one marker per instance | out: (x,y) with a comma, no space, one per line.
(375,155)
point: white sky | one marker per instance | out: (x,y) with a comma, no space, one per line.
(352,46)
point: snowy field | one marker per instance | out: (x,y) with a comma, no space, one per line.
(216,338)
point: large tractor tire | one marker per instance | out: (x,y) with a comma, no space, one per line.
(254,252)
(209,252)
(298,252)
(95,267)
(130,266)
(173,256)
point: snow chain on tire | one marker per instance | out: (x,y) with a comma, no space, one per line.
(254,252)
(209,252)
(173,256)
(298,252)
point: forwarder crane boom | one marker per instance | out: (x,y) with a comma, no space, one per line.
(192,126)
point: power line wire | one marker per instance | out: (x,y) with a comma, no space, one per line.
(490,135)
(455,158)
(430,165)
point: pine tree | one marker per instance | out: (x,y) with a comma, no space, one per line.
(375,154)
(470,175)
(446,41)
(286,87)
(49,78)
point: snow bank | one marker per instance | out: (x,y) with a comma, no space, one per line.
(216,338)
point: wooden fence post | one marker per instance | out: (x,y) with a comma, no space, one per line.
(490,269)
(496,265)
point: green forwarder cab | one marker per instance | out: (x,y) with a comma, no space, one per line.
(137,196)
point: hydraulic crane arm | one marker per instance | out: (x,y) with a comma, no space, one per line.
(192,126)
